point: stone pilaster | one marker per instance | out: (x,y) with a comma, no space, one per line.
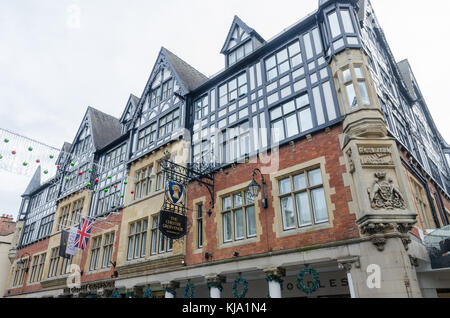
(214,283)
(274,279)
(385,212)
(170,289)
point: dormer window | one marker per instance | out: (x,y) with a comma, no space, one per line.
(241,41)
(240,53)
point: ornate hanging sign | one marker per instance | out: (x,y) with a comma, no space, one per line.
(172,225)
(173,221)
(176,191)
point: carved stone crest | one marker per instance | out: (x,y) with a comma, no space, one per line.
(384,195)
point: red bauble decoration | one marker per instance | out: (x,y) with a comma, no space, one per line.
(13,152)
(58,166)
(96,180)
(37,161)
(115,186)
(80,173)
(132,192)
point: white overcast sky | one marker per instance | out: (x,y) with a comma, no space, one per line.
(51,70)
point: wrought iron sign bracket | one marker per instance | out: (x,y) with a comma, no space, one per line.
(201,173)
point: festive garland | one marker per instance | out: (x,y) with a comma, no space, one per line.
(116,294)
(170,290)
(301,285)
(238,282)
(189,291)
(148,293)
(275,278)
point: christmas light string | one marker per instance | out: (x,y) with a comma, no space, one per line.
(29,145)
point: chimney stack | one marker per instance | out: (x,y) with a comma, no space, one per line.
(7,224)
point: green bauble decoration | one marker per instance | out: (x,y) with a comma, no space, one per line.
(89,184)
(67,178)
(25,164)
(106,190)
(6,140)
(109,177)
(52,156)
(90,170)
(125,182)
(30,148)
(45,171)
(72,164)
(1,157)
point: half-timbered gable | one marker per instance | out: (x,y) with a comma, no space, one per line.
(240,42)
(161,114)
(38,209)
(96,131)
(129,112)
(111,178)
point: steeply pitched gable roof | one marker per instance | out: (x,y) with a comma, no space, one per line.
(104,128)
(133,101)
(250,31)
(190,78)
(35,182)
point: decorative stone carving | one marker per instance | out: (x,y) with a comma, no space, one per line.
(171,285)
(376,156)
(347,264)
(406,241)
(384,195)
(275,271)
(215,279)
(350,161)
(379,242)
(404,227)
(376,228)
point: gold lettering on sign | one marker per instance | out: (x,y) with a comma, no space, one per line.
(376,156)
(173,225)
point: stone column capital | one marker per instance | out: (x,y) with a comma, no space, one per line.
(347,263)
(215,279)
(170,285)
(275,271)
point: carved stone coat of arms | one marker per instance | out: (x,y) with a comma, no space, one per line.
(384,195)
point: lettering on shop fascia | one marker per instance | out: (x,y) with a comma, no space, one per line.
(90,287)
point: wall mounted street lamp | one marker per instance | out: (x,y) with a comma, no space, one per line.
(254,188)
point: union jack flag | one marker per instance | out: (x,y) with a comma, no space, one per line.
(83,234)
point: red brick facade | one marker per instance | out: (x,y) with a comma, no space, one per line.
(42,246)
(323,144)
